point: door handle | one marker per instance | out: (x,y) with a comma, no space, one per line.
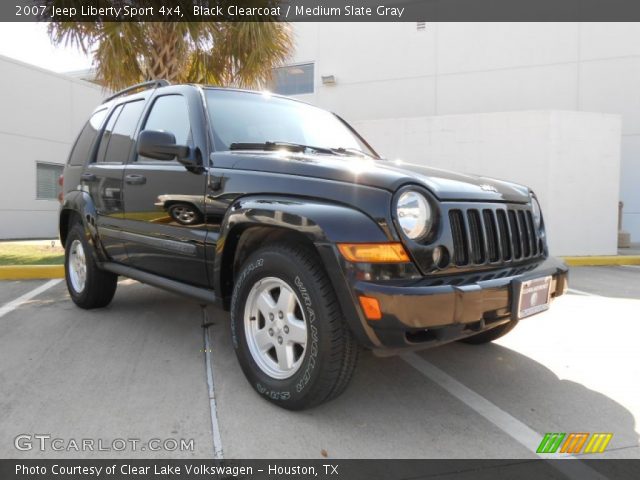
(88,177)
(135,179)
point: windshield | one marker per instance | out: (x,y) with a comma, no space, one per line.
(251,118)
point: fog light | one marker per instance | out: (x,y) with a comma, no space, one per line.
(440,257)
(437,255)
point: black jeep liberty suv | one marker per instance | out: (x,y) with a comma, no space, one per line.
(281,213)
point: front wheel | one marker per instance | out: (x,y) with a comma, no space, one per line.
(89,287)
(288,330)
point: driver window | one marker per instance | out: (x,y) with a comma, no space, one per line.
(169,113)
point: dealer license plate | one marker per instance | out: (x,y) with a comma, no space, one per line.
(535,296)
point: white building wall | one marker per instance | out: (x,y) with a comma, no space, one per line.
(395,70)
(42,113)
(539,149)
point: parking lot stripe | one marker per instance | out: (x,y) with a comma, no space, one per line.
(581,292)
(513,427)
(215,427)
(12,305)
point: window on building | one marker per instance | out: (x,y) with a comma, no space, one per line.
(170,114)
(47,186)
(293,79)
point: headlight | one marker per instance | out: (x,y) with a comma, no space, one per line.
(414,214)
(537,213)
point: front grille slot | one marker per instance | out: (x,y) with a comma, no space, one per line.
(533,238)
(493,235)
(524,234)
(505,237)
(476,236)
(515,235)
(458,232)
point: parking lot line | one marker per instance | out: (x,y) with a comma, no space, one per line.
(215,426)
(513,427)
(12,305)
(581,292)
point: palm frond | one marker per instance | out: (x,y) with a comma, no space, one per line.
(230,54)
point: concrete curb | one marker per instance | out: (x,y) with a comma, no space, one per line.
(25,272)
(602,260)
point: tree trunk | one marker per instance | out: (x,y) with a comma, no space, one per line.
(164,61)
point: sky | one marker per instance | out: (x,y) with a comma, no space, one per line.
(29,43)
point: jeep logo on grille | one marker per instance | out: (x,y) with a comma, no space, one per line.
(488,188)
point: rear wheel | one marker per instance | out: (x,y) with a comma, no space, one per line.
(491,335)
(89,287)
(288,331)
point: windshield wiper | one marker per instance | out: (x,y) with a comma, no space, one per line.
(352,151)
(270,146)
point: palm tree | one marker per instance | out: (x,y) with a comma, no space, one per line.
(241,54)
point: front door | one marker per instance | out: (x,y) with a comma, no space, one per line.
(165,203)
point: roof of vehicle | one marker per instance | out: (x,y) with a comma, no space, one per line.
(159,84)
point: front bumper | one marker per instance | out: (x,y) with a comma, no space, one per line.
(426,312)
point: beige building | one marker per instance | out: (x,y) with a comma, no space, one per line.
(403,83)
(41,114)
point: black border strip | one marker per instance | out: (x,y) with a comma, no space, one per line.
(324,10)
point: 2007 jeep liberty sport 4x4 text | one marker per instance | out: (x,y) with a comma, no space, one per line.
(280,212)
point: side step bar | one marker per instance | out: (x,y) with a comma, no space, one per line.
(196,293)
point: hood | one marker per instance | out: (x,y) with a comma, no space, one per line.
(385,174)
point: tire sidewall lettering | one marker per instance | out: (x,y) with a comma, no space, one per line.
(313,330)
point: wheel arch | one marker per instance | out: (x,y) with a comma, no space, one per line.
(79,206)
(253,221)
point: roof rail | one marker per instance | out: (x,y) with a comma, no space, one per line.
(139,86)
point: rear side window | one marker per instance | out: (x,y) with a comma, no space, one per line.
(82,147)
(106,134)
(118,136)
(170,113)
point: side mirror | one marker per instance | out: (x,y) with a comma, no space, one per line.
(162,146)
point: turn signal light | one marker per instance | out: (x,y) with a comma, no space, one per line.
(370,307)
(374,252)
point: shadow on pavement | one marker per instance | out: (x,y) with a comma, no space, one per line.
(535,395)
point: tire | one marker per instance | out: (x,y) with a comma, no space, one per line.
(93,289)
(311,374)
(491,335)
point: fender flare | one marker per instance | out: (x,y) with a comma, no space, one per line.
(80,203)
(320,221)
(324,223)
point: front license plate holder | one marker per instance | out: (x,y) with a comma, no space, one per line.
(532,296)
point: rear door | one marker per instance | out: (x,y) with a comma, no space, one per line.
(103,177)
(164,202)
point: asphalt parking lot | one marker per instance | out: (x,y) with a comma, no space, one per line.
(143,369)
